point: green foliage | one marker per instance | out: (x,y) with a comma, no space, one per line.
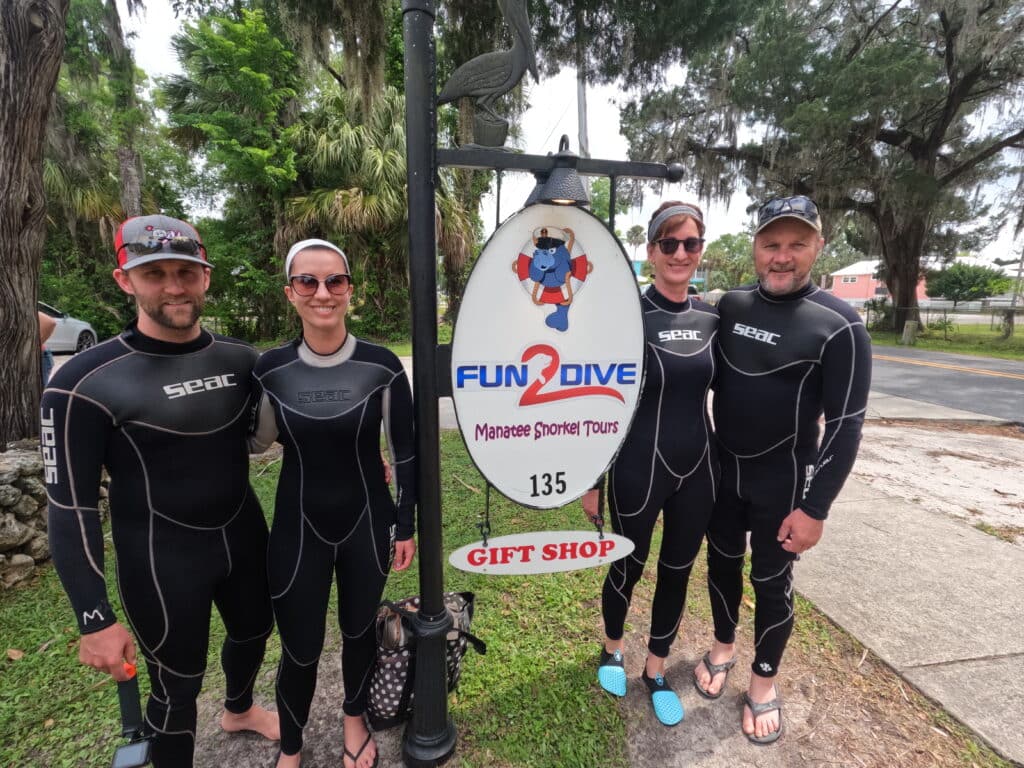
(944,324)
(879,315)
(601,198)
(634,41)
(966,282)
(729,261)
(233,100)
(892,112)
(246,296)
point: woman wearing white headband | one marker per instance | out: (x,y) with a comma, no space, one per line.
(667,463)
(326,397)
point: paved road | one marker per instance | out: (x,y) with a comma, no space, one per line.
(979,384)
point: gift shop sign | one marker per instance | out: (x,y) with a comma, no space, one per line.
(547,355)
(541,552)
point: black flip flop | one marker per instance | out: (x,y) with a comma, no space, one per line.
(355,758)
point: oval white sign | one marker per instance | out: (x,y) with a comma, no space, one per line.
(547,355)
(540,552)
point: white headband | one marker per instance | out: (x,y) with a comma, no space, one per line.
(668,213)
(313,242)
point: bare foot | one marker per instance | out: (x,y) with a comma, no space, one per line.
(720,653)
(256,718)
(289,761)
(360,748)
(762,689)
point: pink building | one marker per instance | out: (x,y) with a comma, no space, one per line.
(857,283)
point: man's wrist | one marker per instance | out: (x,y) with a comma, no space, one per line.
(96,619)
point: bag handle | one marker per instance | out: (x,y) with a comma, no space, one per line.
(478,645)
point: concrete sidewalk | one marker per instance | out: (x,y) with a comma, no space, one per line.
(940,602)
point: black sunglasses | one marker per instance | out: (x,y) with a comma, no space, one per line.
(670,245)
(307,285)
(798,204)
(182,245)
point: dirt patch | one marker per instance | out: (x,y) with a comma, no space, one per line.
(972,427)
(842,705)
(967,470)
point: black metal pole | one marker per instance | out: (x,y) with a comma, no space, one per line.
(497,203)
(611,204)
(430,735)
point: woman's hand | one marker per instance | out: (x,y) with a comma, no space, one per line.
(387,468)
(404,553)
(590,504)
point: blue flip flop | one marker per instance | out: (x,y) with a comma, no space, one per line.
(667,707)
(611,673)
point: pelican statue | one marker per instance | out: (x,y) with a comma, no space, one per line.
(494,74)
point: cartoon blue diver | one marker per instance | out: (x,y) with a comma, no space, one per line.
(554,273)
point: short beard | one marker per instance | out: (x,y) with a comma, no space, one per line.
(763,279)
(157,315)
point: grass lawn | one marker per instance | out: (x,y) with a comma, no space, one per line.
(964,339)
(537,678)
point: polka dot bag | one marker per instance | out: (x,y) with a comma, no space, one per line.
(391,687)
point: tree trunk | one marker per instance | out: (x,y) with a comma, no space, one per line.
(131,183)
(31,47)
(122,70)
(901,253)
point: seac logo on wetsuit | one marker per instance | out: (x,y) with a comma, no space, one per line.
(48,447)
(194,386)
(757,334)
(680,334)
(325,396)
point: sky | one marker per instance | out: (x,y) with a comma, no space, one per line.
(553,114)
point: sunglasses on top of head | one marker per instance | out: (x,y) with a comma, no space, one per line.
(669,245)
(307,285)
(183,245)
(799,204)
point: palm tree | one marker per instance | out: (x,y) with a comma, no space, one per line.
(355,175)
(636,236)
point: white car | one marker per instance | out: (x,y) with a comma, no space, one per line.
(71,334)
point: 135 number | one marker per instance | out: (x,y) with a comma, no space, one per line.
(547,483)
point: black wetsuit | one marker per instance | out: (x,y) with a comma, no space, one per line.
(334,512)
(666,462)
(169,422)
(782,361)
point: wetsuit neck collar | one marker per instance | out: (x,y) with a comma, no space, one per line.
(661,301)
(799,293)
(137,340)
(308,356)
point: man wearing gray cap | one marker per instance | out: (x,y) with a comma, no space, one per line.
(787,353)
(166,407)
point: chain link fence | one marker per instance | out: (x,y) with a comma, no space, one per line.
(967,321)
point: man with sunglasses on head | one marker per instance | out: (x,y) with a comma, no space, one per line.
(166,407)
(788,352)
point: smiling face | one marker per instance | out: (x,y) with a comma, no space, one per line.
(673,271)
(784,253)
(170,294)
(323,313)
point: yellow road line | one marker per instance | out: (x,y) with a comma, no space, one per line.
(950,367)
